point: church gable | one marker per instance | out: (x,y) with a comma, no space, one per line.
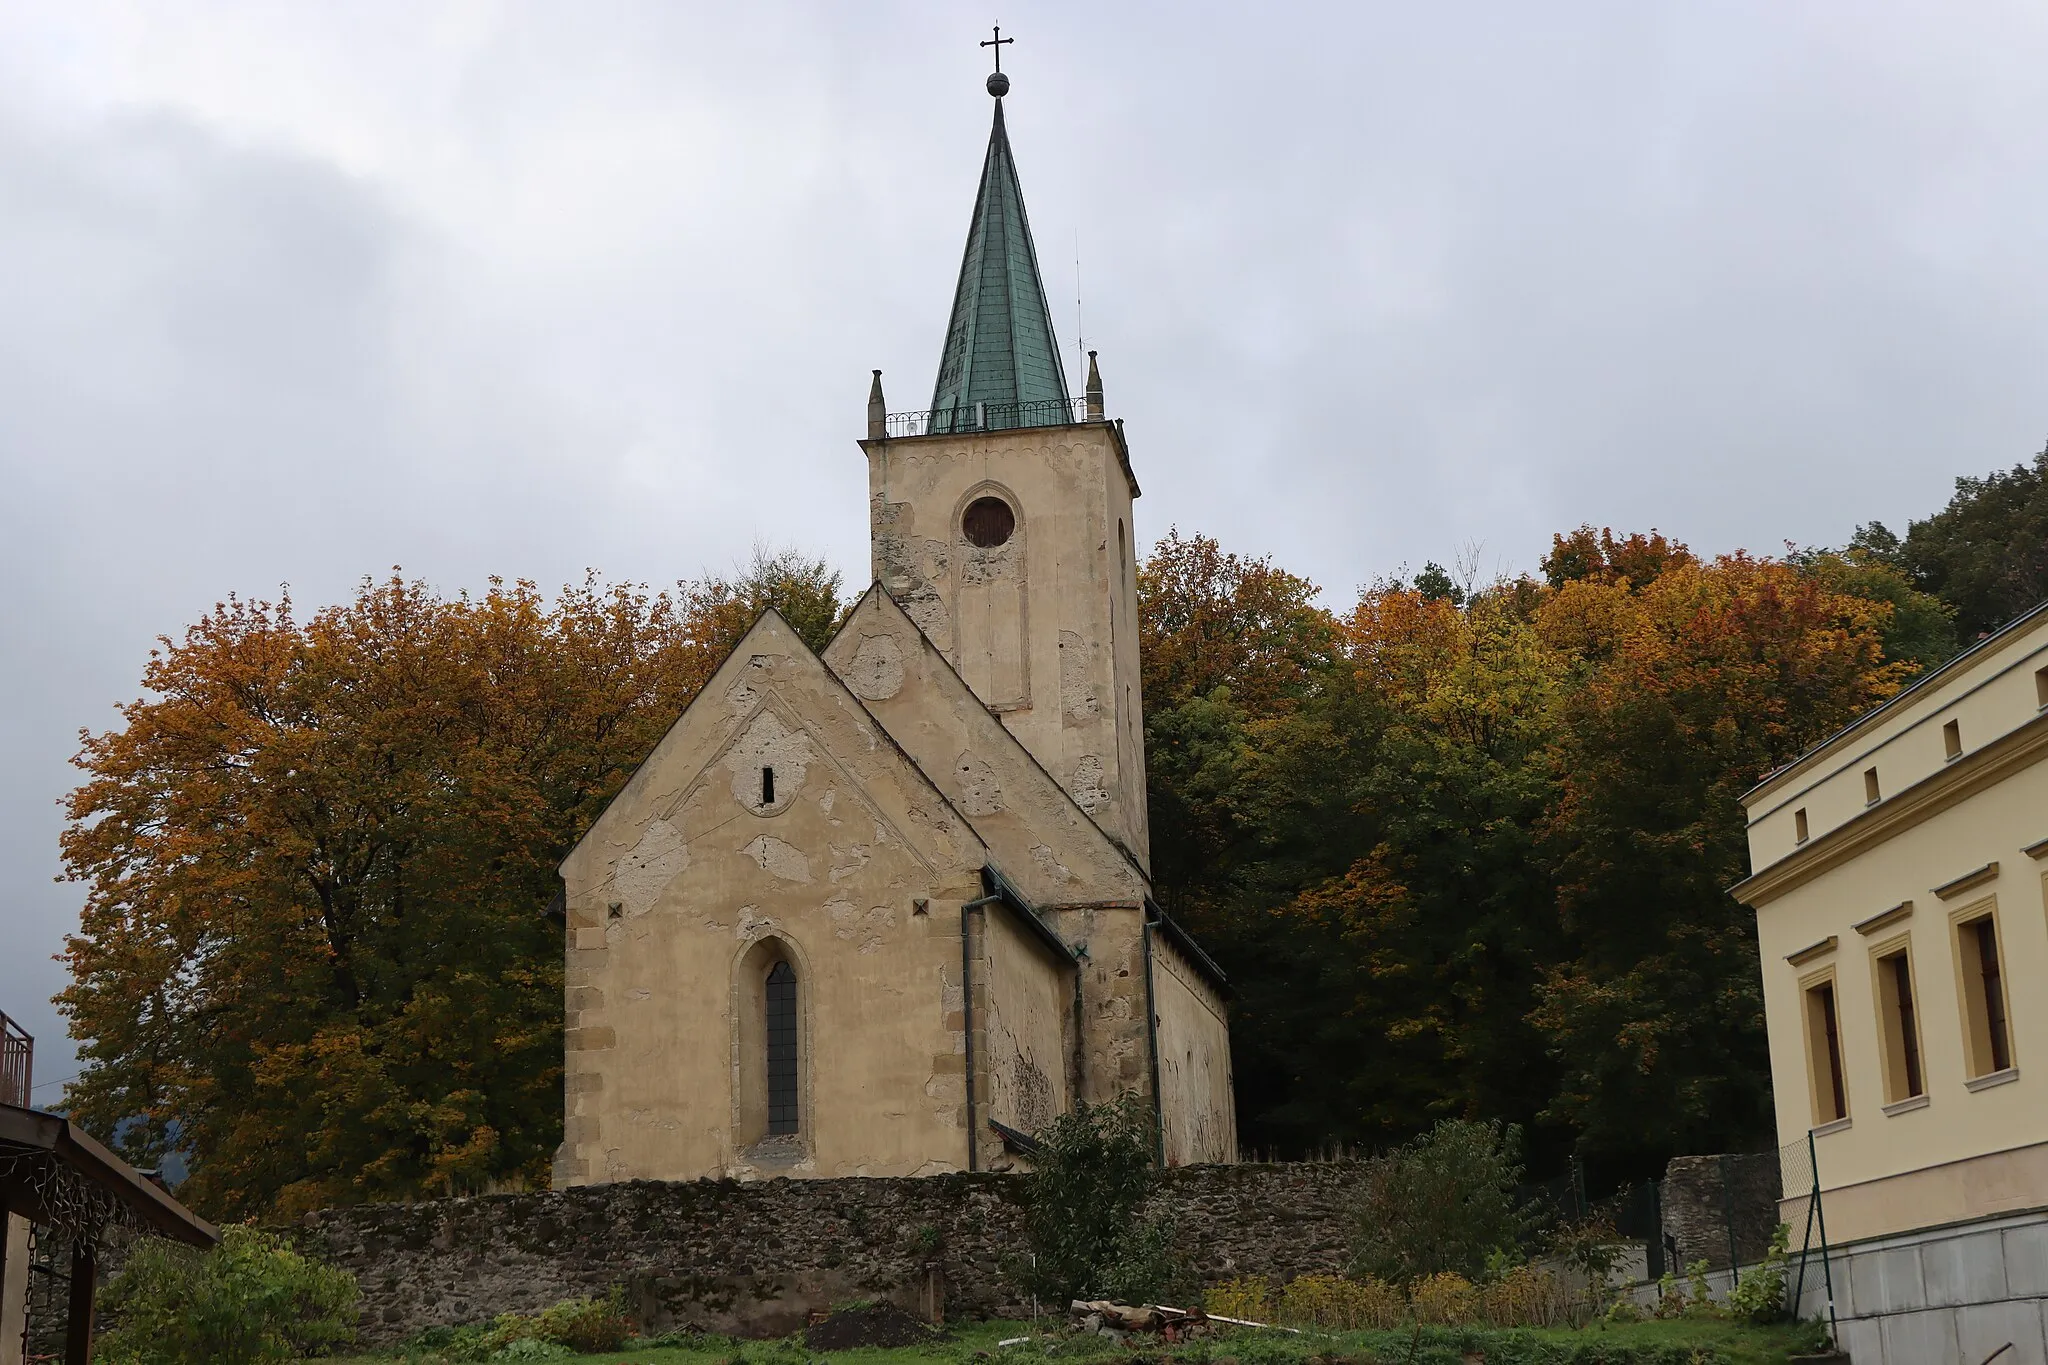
(771,722)
(1043,841)
(775,852)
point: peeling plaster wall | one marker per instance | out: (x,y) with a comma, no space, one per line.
(1115,1053)
(1064,586)
(1028,1034)
(1044,842)
(690,868)
(1197,1110)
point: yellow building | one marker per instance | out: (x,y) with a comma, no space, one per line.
(1900,881)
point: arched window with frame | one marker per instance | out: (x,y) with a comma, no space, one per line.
(781,1038)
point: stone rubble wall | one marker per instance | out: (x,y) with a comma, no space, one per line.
(1702,1194)
(756,1258)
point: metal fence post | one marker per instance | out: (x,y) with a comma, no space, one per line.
(1728,1219)
(1657,1266)
(1821,1214)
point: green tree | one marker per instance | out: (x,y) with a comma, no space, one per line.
(804,590)
(1985,554)
(1921,630)
(1402,802)
(1227,644)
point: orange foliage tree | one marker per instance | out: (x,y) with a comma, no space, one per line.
(1478,859)
(1693,687)
(312,953)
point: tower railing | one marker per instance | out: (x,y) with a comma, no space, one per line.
(17,1062)
(971,417)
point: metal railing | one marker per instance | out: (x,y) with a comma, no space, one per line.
(17,1062)
(971,417)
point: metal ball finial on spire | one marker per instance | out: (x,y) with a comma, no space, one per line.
(998,84)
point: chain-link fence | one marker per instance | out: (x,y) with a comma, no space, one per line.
(1720,1211)
(1804,1214)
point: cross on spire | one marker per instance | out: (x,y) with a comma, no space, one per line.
(997,43)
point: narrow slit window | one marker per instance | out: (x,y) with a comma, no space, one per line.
(1799,835)
(767,786)
(1899,1026)
(1830,1096)
(1870,791)
(782,1096)
(2041,688)
(1952,739)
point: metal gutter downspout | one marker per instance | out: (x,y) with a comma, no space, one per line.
(1077,1056)
(967,1021)
(1152,1038)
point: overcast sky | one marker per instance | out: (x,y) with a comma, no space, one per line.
(290,294)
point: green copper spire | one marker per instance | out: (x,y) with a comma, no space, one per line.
(1001,365)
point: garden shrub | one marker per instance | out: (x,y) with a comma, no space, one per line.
(1527,1297)
(1340,1304)
(1250,1299)
(1702,1294)
(1084,1217)
(1672,1302)
(1759,1295)
(1443,1202)
(572,1327)
(250,1300)
(1444,1299)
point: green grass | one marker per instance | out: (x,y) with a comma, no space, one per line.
(1660,1343)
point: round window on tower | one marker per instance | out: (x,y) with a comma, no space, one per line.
(988,522)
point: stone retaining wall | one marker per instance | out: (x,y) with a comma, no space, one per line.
(1715,1205)
(756,1258)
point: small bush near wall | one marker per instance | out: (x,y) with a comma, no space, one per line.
(1444,1202)
(249,1301)
(1246,1299)
(1520,1297)
(576,1325)
(1085,1219)
(1344,1305)
(1528,1297)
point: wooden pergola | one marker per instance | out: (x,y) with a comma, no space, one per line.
(56,1177)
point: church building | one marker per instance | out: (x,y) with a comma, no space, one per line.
(886,910)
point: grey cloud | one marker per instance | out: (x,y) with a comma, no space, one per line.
(604,286)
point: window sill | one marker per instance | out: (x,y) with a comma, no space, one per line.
(1986,1082)
(1839,1125)
(1907,1105)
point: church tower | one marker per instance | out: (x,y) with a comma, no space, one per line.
(1001,519)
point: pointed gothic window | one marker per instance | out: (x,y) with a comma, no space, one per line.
(782,1099)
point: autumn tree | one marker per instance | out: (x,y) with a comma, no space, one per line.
(1228,644)
(312,953)
(1433,738)
(1692,689)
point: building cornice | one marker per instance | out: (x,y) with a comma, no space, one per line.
(1115,428)
(1919,688)
(2009,753)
